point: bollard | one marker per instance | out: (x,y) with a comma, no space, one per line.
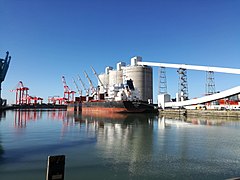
(55,167)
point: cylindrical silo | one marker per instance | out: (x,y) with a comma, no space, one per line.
(142,79)
(107,69)
(120,65)
(115,77)
(104,78)
(135,59)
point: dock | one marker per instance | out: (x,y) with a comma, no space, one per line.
(200,113)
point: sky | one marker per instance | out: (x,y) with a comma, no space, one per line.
(49,39)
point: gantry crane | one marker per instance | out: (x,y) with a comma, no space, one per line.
(56,100)
(35,100)
(22,96)
(68,94)
(21,93)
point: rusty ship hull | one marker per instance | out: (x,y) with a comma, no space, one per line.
(116,106)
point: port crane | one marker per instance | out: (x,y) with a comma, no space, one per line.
(79,90)
(99,80)
(21,93)
(68,94)
(83,85)
(34,99)
(90,83)
(22,96)
(56,100)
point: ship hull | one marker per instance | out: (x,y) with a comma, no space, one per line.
(116,106)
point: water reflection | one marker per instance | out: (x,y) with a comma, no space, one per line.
(57,115)
(126,120)
(123,138)
(188,121)
(111,118)
(125,146)
(22,117)
(1,149)
(143,144)
(2,115)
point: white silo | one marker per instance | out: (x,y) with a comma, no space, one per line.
(116,76)
(120,65)
(135,59)
(142,77)
(104,78)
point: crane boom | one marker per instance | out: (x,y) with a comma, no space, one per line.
(68,93)
(90,82)
(65,86)
(79,90)
(83,85)
(95,73)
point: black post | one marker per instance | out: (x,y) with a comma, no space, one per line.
(55,167)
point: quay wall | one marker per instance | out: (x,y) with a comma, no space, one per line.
(201,113)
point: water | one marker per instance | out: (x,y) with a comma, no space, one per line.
(118,147)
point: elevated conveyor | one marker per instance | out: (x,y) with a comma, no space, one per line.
(192,67)
(205,99)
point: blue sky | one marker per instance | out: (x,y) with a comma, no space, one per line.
(51,38)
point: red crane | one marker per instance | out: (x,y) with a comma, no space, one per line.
(56,100)
(21,93)
(35,100)
(68,94)
(22,96)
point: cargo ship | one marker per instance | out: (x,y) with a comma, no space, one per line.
(125,99)
(128,89)
(117,106)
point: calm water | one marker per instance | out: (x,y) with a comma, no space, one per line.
(118,147)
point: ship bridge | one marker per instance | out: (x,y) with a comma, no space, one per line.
(182,99)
